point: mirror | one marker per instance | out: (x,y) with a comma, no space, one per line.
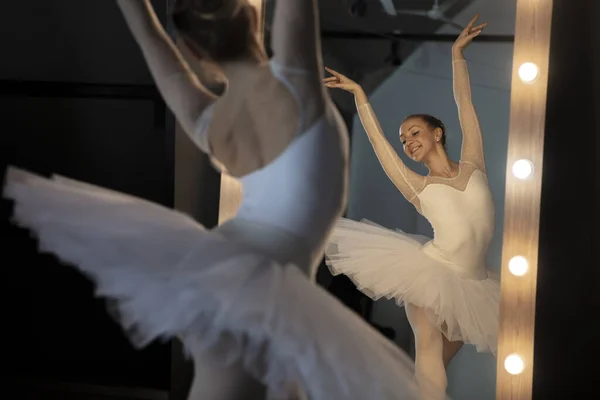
(403,61)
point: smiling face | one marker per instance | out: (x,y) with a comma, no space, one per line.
(419,138)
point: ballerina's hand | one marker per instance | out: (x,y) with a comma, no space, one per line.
(339,81)
(468,34)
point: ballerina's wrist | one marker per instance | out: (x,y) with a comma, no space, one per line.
(457,53)
(360,97)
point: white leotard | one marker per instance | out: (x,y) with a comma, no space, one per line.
(301,194)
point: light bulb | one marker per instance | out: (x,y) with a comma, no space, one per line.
(518,265)
(522,169)
(528,72)
(513,364)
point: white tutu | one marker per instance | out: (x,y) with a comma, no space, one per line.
(392,264)
(168,276)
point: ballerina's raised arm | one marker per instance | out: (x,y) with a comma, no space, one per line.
(178,84)
(472,144)
(297,53)
(408,182)
(295,40)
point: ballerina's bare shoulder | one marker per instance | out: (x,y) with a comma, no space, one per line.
(253,122)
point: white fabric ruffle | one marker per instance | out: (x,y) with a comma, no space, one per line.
(168,276)
(392,264)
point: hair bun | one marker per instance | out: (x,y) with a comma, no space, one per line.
(220,30)
(208,9)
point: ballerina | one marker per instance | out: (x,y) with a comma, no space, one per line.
(449,295)
(240,297)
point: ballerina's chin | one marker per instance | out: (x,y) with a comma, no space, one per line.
(450,296)
(240,297)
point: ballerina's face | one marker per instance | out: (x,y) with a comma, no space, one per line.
(418,138)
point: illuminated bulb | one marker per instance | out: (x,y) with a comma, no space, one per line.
(518,265)
(513,364)
(528,72)
(522,169)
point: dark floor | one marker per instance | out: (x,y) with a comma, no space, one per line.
(65,391)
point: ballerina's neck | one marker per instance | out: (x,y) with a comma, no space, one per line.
(441,166)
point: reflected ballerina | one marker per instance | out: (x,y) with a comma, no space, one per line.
(450,296)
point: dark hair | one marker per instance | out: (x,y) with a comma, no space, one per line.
(223,30)
(433,123)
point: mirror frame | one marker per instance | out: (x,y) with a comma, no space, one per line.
(522,198)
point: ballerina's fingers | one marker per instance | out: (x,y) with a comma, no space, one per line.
(470,29)
(344,86)
(473,34)
(471,23)
(334,83)
(478,27)
(335,74)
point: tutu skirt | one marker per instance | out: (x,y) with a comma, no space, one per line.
(167,276)
(384,263)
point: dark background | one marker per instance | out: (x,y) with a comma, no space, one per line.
(567,348)
(83,105)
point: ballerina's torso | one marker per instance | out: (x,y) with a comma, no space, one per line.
(461,213)
(460,209)
(290,205)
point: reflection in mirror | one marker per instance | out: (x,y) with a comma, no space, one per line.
(425,213)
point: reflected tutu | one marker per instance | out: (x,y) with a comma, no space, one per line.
(392,264)
(168,276)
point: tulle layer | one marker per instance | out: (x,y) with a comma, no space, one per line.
(391,264)
(167,276)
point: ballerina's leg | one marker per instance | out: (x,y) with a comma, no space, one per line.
(429,361)
(212,381)
(450,350)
